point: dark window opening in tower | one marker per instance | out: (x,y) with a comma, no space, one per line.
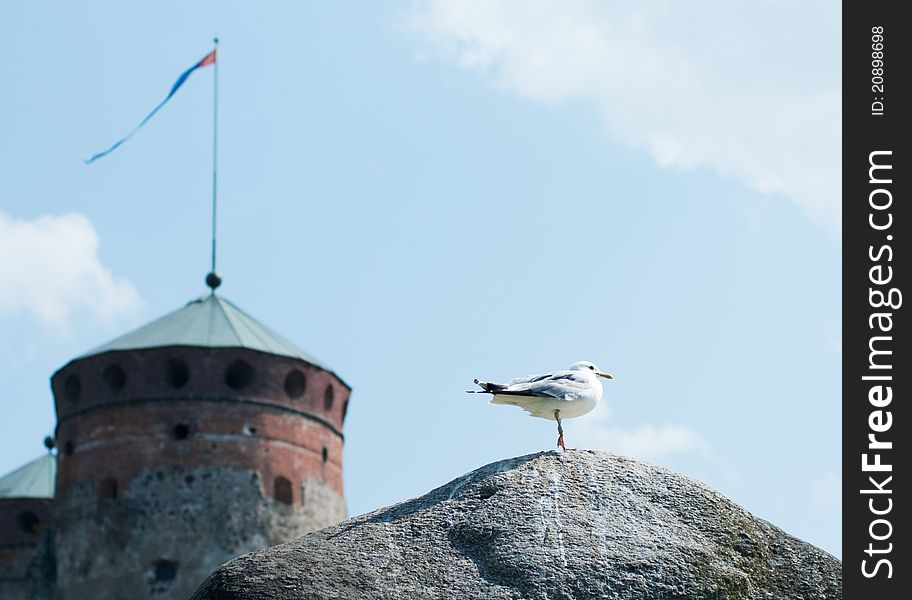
(344,410)
(68,449)
(177,373)
(72,388)
(282,490)
(28,522)
(165,570)
(181,431)
(328,397)
(295,384)
(239,375)
(114,377)
(325,454)
(250,430)
(107,489)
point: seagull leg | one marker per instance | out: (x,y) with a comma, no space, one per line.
(560,431)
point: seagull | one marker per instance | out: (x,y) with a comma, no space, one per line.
(556,395)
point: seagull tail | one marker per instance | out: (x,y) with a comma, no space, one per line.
(486,388)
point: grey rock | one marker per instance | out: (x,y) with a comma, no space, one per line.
(575,525)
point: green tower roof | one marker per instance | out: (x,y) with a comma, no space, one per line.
(209,322)
(32,480)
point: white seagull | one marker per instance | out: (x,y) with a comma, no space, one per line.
(557,395)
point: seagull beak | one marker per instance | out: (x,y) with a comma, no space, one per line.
(605,375)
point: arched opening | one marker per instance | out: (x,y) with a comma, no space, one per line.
(165,570)
(107,489)
(282,490)
(181,431)
(295,384)
(345,410)
(177,373)
(239,375)
(325,454)
(72,388)
(28,522)
(328,397)
(114,377)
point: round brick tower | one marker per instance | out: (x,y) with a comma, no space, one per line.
(26,542)
(198,437)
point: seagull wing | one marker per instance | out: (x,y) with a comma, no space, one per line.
(552,385)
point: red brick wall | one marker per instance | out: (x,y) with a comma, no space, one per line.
(109,432)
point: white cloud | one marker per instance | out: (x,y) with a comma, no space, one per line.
(50,271)
(749,89)
(648,442)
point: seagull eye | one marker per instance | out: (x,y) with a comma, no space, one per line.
(591,368)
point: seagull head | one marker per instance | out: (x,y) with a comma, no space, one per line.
(585,365)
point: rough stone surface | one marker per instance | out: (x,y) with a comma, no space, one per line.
(193,519)
(574,525)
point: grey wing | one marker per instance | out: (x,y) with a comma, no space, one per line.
(537,378)
(552,385)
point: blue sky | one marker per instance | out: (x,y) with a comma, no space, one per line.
(420,193)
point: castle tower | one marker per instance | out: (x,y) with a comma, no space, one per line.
(198,437)
(26,549)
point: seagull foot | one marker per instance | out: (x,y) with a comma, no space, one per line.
(560,442)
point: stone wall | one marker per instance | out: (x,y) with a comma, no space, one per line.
(172,526)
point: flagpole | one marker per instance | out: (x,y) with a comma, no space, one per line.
(213,280)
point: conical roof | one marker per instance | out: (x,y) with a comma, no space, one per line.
(208,322)
(32,480)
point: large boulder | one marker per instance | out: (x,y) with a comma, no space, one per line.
(578,524)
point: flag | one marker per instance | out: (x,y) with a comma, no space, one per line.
(207,60)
